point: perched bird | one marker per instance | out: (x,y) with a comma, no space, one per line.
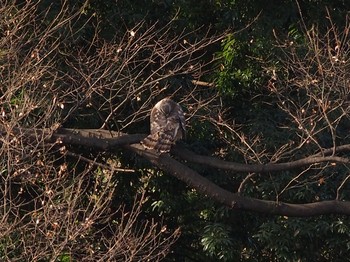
(167,126)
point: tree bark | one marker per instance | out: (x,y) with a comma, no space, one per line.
(110,141)
(234,200)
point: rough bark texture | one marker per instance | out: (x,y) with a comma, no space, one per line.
(110,141)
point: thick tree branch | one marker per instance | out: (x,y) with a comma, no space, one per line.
(236,201)
(110,140)
(96,138)
(256,168)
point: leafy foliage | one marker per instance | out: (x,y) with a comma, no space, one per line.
(286,239)
(93,64)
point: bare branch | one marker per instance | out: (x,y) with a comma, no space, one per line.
(256,168)
(235,201)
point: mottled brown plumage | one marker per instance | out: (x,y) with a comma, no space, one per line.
(167,126)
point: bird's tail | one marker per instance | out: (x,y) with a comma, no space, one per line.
(160,142)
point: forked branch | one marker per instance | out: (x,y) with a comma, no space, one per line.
(109,140)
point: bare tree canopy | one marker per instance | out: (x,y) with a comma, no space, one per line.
(75,107)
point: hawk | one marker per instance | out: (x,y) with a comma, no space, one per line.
(167,126)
